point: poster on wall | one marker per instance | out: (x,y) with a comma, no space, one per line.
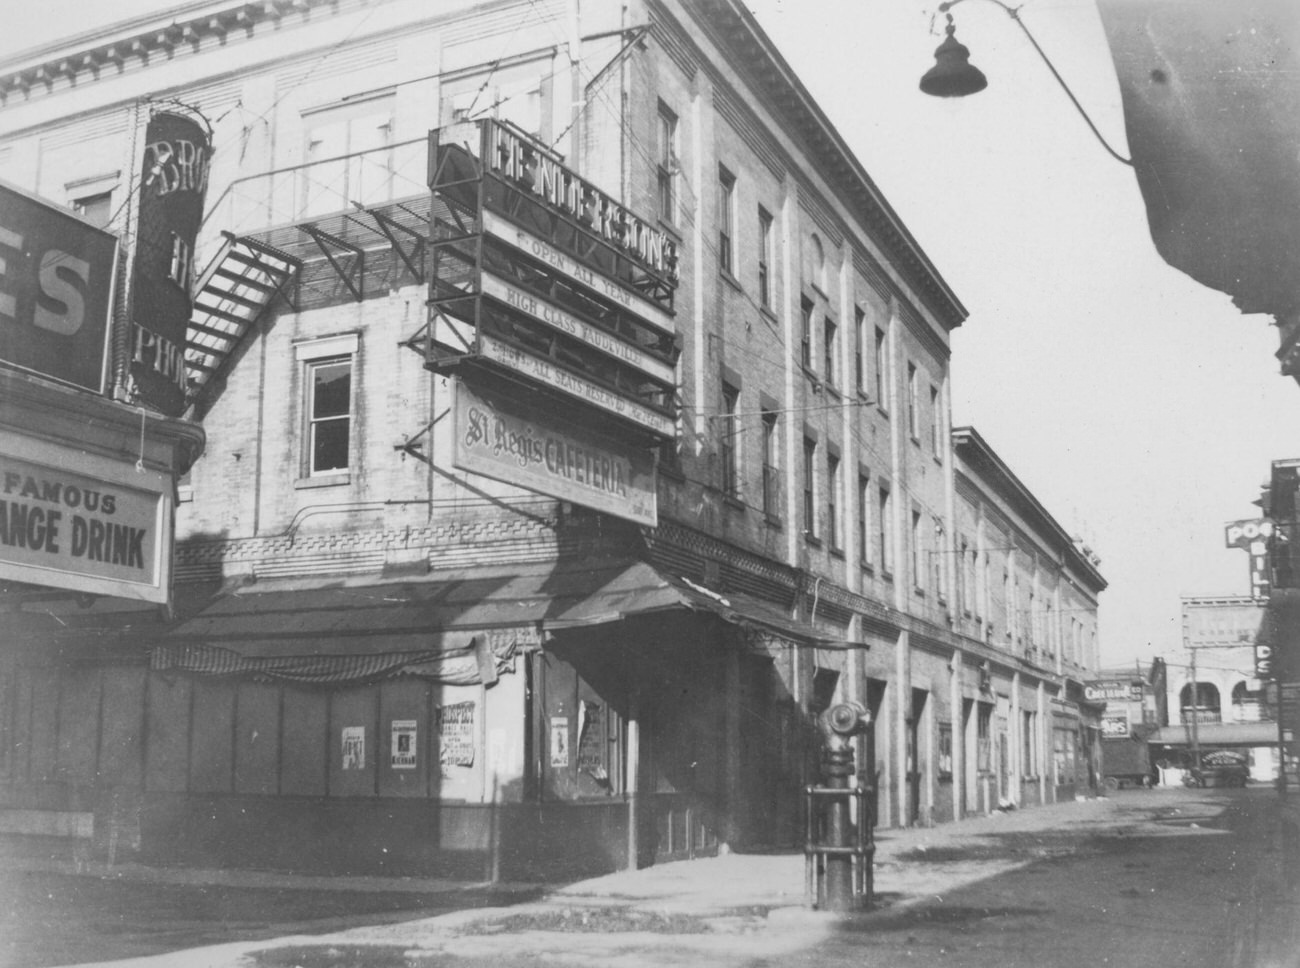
(402,756)
(354,747)
(455,726)
(559,741)
(591,742)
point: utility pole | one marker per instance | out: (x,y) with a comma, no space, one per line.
(1196,715)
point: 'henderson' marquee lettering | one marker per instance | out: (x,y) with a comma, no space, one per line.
(521,162)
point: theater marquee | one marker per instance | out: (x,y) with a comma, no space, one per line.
(543,279)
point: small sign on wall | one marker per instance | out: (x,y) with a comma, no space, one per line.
(559,741)
(402,756)
(354,747)
(455,725)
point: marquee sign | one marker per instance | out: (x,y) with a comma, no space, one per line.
(572,385)
(539,273)
(501,441)
(56,291)
(104,529)
(533,167)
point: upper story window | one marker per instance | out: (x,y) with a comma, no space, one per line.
(936,422)
(771,458)
(831,348)
(810,487)
(667,166)
(729,449)
(766,258)
(886,504)
(913,402)
(96,209)
(817,270)
(514,96)
(882,369)
(328,404)
(349,157)
(860,348)
(805,333)
(865,531)
(834,486)
(918,551)
(726,221)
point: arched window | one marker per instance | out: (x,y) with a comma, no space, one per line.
(817,260)
(1200,700)
(1247,704)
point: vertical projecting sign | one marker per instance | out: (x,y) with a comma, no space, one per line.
(173,182)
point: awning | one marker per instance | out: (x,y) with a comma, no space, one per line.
(453,627)
(1217,734)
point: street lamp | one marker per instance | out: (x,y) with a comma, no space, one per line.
(953,75)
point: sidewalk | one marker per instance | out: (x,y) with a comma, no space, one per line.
(710,910)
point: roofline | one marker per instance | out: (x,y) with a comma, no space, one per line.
(969,439)
(917,269)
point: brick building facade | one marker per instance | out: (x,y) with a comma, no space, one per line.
(379,660)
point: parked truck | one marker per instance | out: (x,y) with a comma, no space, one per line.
(1126,760)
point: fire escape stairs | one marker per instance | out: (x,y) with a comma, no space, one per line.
(236,289)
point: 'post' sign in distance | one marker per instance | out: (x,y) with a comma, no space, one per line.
(56,291)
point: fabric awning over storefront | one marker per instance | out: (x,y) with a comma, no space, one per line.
(1217,734)
(453,627)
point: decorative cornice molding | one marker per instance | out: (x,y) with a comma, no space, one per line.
(136,43)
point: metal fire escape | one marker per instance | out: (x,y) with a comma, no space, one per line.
(236,288)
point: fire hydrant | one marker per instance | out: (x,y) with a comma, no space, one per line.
(841,849)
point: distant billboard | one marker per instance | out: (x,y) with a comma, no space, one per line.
(1218,623)
(56,291)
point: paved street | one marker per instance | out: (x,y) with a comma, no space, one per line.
(1176,877)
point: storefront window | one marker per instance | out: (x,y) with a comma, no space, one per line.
(945,751)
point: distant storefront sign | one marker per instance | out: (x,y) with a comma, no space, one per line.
(56,291)
(173,183)
(1113,690)
(497,439)
(1114,726)
(1218,623)
(104,529)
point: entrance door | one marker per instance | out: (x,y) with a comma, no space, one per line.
(913,765)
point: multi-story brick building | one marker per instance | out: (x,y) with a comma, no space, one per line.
(722,493)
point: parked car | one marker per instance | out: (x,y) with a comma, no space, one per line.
(1219,768)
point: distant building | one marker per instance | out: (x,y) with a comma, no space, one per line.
(577,416)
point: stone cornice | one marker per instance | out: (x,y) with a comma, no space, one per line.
(136,42)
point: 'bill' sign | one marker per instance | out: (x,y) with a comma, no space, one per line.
(56,291)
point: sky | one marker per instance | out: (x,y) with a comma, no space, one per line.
(1140,407)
